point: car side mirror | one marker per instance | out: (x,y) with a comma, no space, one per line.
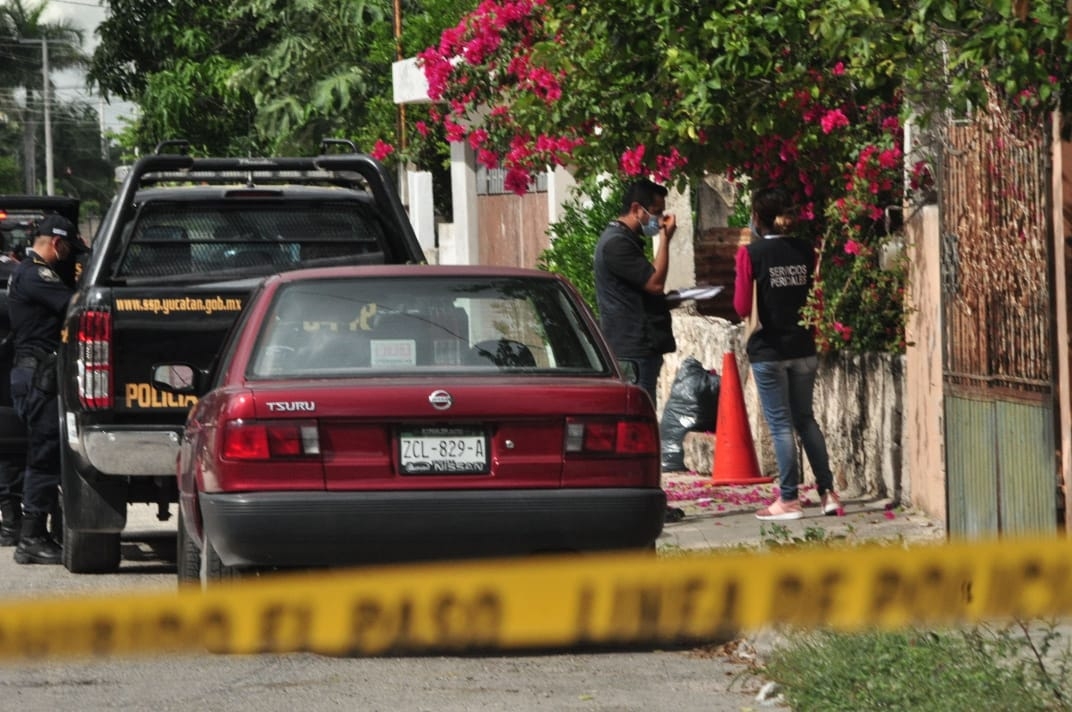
(630,370)
(179,378)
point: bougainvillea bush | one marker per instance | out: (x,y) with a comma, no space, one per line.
(804,94)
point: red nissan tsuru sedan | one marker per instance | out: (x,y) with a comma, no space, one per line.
(384,414)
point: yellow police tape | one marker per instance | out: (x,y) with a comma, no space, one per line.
(560,602)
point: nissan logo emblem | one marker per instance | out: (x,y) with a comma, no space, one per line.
(440,400)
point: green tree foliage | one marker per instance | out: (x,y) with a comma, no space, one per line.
(175,60)
(263,76)
(20,63)
(22,34)
(82,170)
(10,178)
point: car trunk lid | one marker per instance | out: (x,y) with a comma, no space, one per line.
(475,433)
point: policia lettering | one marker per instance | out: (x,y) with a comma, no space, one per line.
(143,395)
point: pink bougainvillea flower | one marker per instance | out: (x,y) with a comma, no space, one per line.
(833,119)
(839,69)
(890,158)
(844,331)
(477,138)
(852,247)
(488,159)
(632,162)
(382,150)
(888,514)
(455,131)
(422,129)
(517,181)
(666,165)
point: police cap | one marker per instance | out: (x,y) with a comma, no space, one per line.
(58,226)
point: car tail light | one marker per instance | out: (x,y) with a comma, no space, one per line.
(94,361)
(269,440)
(611,437)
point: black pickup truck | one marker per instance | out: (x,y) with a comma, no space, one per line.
(181,248)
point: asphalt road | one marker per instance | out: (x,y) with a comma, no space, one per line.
(707,679)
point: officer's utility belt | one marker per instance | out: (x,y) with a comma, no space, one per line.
(43,363)
(36,356)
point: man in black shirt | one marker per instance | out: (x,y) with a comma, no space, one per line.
(633,312)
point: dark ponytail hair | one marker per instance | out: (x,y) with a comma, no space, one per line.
(773,210)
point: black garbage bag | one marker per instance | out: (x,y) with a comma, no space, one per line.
(692,406)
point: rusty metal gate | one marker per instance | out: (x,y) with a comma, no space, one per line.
(998,353)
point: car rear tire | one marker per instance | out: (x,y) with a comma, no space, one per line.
(90,552)
(212,570)
(187,555)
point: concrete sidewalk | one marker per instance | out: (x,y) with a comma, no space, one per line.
(724,517)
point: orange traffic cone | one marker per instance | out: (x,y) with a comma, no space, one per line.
(735,451)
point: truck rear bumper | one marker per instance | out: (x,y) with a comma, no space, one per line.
(116,450)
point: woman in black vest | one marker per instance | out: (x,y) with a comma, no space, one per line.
(782,352)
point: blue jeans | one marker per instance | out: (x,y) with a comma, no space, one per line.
(785,392)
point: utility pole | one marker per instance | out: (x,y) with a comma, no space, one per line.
(46,100)
(50,182)
(401,111)
(103,140)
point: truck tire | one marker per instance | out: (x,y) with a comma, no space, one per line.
(187,556)
(86,551)
(90,552)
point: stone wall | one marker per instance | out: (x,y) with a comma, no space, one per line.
(858,403)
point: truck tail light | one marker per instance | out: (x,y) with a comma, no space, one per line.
(270,440)
(94,361)
(611,437)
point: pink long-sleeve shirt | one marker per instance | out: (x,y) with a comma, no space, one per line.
(742,285)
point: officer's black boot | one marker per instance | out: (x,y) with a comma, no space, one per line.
(35,545)
(10,521)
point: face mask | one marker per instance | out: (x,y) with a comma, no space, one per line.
(651,227)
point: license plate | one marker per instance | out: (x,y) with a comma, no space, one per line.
(446,451)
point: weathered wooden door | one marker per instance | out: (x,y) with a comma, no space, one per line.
(513,228)
(997,302)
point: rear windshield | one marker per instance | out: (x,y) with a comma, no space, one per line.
(346,327)
(249,237)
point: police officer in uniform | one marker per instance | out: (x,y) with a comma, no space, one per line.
(37,301)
